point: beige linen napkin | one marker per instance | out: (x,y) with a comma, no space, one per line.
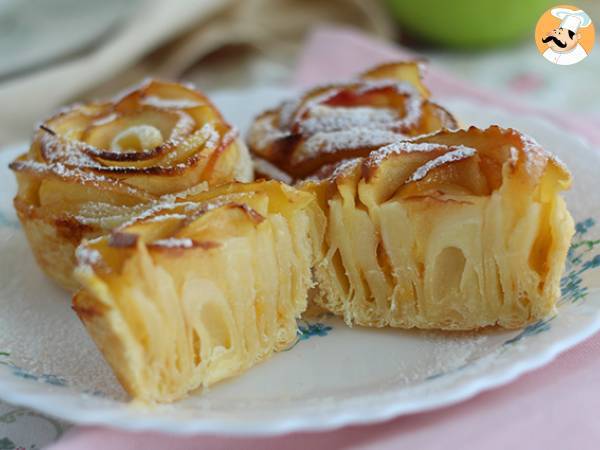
(167,38)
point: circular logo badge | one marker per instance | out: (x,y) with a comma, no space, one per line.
(564,35)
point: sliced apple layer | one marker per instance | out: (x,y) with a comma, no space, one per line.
(89,161)
(201,289)
(328,124)
(454,230)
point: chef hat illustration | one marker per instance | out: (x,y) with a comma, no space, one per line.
(572,20)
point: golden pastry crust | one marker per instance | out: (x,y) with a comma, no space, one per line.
(455,230)
(200,289)
(90,164)
(344,120)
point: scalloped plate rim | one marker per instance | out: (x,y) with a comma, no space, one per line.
(157,423)
(45,400)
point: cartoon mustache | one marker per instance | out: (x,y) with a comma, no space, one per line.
(556,41)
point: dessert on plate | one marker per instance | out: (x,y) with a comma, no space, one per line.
(427,226)
(200,289)
(344,120)
(456,230)
(90,165)
(189,273)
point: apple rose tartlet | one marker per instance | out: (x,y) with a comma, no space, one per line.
(345,120)
(456,230)
(201,289)
(89,164)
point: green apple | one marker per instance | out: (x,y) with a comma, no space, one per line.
(469,23)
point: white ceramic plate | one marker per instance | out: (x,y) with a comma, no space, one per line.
(334,375)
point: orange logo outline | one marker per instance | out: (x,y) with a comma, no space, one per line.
(582,37)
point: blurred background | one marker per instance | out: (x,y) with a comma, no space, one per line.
(53,52)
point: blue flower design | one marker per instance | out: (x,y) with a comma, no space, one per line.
(572,289)
(583,227)
(578,262)
(17,371)
(531,330)
(306,330)
(7,444)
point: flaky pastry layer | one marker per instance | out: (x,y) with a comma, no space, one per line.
(201,289)
(454,230)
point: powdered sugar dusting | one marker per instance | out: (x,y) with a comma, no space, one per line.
(327,118)
(174,243)
(448,352)
(62,151)
(173,198)
(263,133)
(413,101)
(327,128)
(168,103)
(184,126)
(105,120)
(87,256)
(352,139)
(76,154)
(287,110)
(316,117)
(401,87)
(67,151)
(207,136)
(292,110)
(160,208)
(40,331)
(107,216)
(456,153)
(212,135)
(334,171)
(166,217)
(514,155)
(380,155)
(82,176)
(531,146)
(63,171)
(345,166)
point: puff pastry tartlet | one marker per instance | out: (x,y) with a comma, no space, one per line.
(456,230)
(331,123)
(89,164)
(201,289)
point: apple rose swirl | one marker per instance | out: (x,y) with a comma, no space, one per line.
(454,230)
(340,121)
(91,166)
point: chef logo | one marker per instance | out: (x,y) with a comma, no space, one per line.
(564,35)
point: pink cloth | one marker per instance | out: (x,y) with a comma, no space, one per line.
(555,407)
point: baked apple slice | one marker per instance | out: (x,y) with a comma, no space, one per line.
(89,163)
(456,230)
(339,121)
(201,289)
